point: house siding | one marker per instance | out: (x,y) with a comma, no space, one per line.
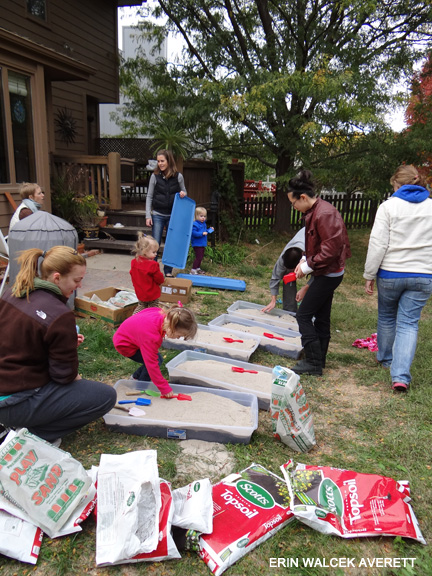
(85,31)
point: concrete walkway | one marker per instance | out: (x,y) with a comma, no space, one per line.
(104,270)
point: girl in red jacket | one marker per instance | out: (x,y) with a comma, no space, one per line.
(145,272)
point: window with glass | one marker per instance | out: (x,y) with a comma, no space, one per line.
(17,153)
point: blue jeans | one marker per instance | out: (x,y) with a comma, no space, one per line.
(159,223)
(400,302)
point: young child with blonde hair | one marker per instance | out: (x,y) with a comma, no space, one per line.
(140,336)
(145,272)
(199,238)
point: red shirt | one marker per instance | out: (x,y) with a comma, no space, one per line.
(146,279)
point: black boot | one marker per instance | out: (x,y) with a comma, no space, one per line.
(324,343)
(312,363)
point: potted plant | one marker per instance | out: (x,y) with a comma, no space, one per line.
(79,209)
(88,215)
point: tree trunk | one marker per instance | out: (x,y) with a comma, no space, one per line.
(284,167)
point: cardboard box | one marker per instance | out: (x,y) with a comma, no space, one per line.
(109,315)
(176,289)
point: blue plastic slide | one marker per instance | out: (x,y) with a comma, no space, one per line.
(179,232)
(215,282)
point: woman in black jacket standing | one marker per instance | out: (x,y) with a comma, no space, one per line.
(164,184)
(327,247)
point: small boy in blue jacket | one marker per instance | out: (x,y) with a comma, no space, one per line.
(199,238)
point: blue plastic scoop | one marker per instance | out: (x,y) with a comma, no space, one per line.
(138,401)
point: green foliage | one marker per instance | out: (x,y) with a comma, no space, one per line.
(230,221)
(284,84)
(63,200)
(225,254)
(170,136)
(78,210)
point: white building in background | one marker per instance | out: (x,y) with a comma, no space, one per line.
(132,38)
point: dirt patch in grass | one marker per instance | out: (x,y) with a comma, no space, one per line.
(352,398)
(338,404)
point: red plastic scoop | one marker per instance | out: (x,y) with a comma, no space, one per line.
(158,394)
(230,340)
(179,397)
(291,277)
(238,369)
(268,335)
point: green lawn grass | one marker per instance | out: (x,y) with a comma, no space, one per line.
(360,424)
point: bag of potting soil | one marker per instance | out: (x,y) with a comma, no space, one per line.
(42,480)
(292,421)
(248,508)
(350,504)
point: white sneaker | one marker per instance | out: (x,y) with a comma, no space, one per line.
(193,271)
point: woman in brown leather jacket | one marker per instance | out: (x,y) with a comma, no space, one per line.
(327,248)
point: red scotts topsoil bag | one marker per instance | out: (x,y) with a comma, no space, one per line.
(248,508)
(350,504)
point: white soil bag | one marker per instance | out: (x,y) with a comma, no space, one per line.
(128,505)
(292,421)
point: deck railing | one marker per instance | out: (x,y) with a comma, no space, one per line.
(101,176)
(97,175)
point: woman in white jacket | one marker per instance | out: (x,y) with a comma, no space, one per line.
(400,259)
(32,200)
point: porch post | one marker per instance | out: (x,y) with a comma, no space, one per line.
(114,181)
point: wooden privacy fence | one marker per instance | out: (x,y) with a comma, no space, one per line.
(259,212)
(357,211)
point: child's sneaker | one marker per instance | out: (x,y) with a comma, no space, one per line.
(194,271)
(199,271)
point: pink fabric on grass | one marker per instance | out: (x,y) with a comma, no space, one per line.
(369,343)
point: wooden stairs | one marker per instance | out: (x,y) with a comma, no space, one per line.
(120,233)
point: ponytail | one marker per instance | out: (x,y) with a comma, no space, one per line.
(407,174)
(181,320)
(57,259)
